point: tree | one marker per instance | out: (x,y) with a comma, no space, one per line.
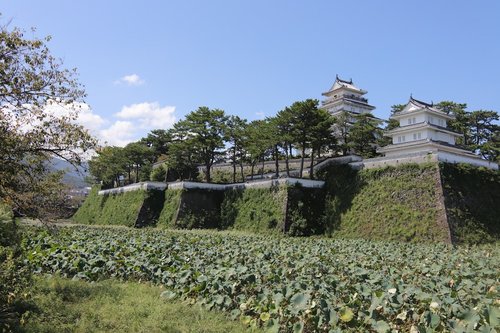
(483,132)
(109,165)
(364,135)
(461,122)
(305,116)
(206,130)
(32,83)
(341,127)
(139,158)
(322,137)
(258,143)
(158,140)
(479,128)
(283,128)
(236,137)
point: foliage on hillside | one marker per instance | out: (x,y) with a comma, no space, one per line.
(392,203)
(472,197)
(255,209)
(171,205)
(199,209)
(305,208)
(119,209)
(290,284)
(90,211)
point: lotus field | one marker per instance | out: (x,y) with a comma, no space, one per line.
(290,284)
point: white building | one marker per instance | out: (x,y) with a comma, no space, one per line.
(344,96)
(423,130)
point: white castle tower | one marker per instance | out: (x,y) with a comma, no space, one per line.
(424,129)
(344,96)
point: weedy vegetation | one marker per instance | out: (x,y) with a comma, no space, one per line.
(285,284)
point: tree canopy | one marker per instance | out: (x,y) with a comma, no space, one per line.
(39,104)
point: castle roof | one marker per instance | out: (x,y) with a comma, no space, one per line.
(340,83)
(414,105)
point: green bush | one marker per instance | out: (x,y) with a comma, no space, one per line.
(305,207)
(14,275)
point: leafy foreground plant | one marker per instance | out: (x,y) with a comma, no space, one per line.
(287,284)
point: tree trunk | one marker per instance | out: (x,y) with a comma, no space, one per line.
(242,173)
(277,163)
(311,168)
(234,164)
(286,162)
(302,159)
(207,173)
(137,173)
(251,175)
(262,171)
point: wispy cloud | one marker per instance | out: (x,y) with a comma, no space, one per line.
(130,124)
(149,115)
(131,80)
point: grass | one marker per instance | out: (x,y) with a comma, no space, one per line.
(64,305)
(258,210)
(393,203)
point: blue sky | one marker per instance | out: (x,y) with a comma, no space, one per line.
(253,58)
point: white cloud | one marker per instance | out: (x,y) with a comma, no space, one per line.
(120,133)
(149,115)
(130,124)
(131,80)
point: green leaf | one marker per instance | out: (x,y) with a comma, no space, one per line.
(168,294)
(381,327)
(265,316)
(245,320)
(299,301)
(298,327)
(346,314)
(272,326)
(493,316)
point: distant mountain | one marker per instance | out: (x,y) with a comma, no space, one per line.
(74,177)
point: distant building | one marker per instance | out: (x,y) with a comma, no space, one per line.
(423,129)
(344,96)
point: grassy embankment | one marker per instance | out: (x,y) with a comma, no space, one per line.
(423,203)
(393,203)
(134,208)
(426,202)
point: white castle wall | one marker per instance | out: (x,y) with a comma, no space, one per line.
(268,183)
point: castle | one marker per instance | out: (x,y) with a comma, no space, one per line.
(422,134)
